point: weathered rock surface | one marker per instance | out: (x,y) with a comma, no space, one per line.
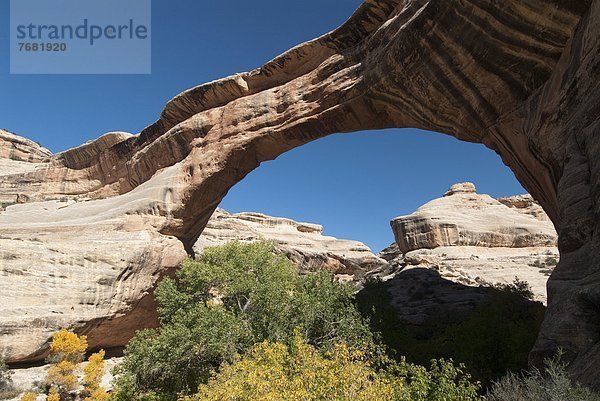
(16,148)
(519,76)
(92,265)
(65,265)
(471,240)
(479,266)
(464,218)
(525,204)
(18,157)
(303,243)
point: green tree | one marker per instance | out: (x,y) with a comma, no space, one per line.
(493,338)
(219,306)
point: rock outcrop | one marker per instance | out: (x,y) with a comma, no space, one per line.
(18,157)
(472,240)
(520,76)
(525,204)
(303,243)
(14,148)
(464,218)
(65,263)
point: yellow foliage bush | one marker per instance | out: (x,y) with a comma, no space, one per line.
(61,376)
(67,346)
(92,378)
(98,395)
(29,396)
(275,372)
(53,396)
(66,352)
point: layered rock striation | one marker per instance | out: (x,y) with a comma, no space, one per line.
(472,240)
(92,265)
(303,243)
(464,218)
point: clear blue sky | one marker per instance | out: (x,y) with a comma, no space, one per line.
(353,184)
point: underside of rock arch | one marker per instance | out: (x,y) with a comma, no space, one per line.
(520,76)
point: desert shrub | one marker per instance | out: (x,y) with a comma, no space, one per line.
(493,338)
(5,376)
(9,393)
(444,381)
(67,346)
(7,390)
(275,371)
(29,396)
(92,378)
(219,306)
(553,384)
(67,350)
(294,372)
(518,287)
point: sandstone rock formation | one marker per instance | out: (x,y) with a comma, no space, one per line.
(520,76)
(303,243)
(464,218)
(525,204)
(18,156)
(14,148)
(472,240)
(64,264)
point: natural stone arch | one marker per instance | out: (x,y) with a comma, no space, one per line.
(519,76)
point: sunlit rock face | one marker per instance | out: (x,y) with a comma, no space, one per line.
(303,243)
(472,240)
(464,218)
(91,265)
(520,76)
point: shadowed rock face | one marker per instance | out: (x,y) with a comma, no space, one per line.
(520,76)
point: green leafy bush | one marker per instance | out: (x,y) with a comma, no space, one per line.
(219,306)
(551,385)
(443,381)
(493,338)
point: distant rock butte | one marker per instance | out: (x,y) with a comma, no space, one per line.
(464,218)
(472,240)
(303,243)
